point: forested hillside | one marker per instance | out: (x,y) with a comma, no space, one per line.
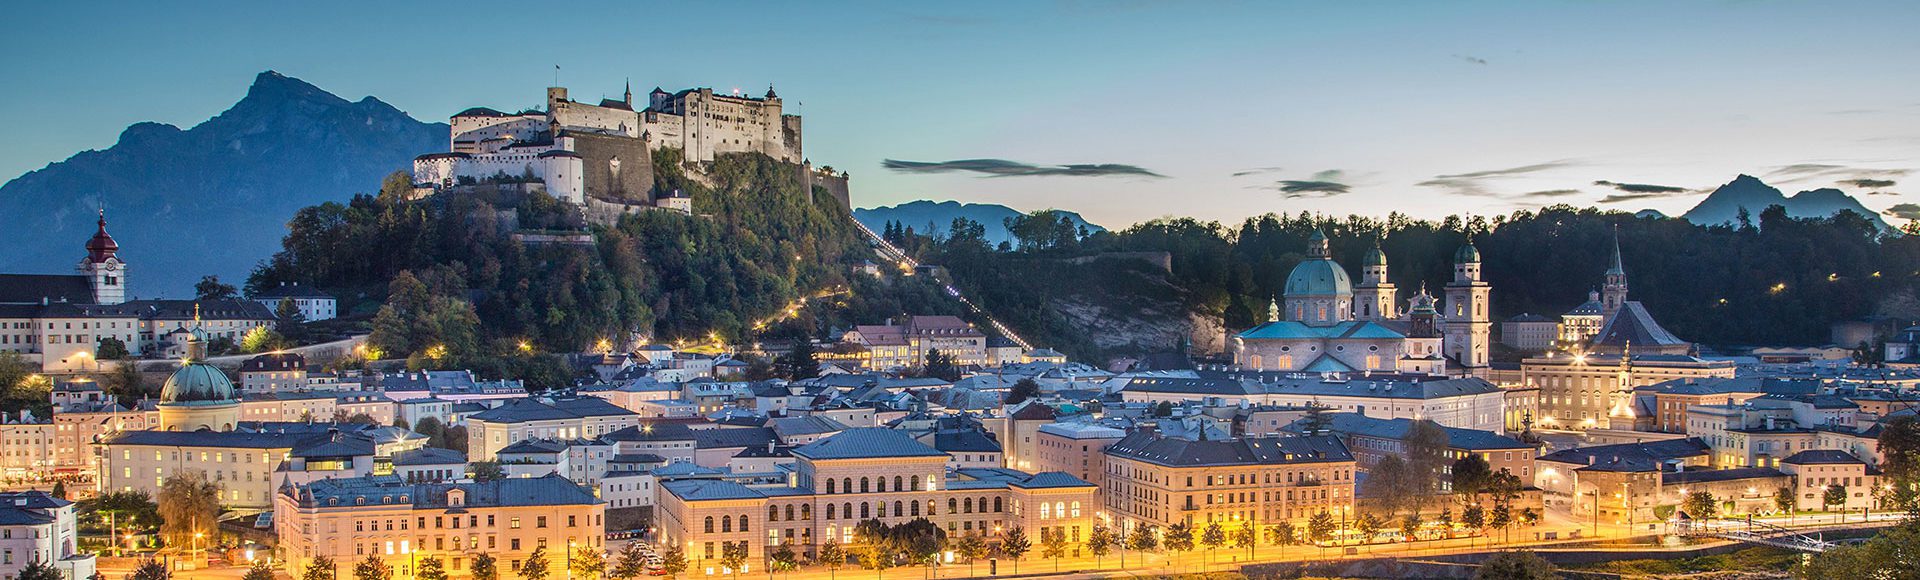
(446,283)
(1778,281)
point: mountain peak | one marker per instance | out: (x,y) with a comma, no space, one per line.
(273,86)
(1749,193)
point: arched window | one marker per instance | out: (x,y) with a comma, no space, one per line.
(916,483)
(1256,362)
(953,505)
(846,510)
(773,513)
(1044,512)
(806,511)
(830,511)
(880,485)
(790,511)
(880,509)
(743,522)
(916,508)
(709,524)
(930,508)
(865,511)
(996,505)
(967,506)
(896,484)
(899,509)
(846,485)
(1076,509)
(829,485)
(726,524)
(863,485)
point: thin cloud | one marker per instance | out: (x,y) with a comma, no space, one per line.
(1255,171)
(1882,193)
(1551,193)
(1620,197)
(1908,211)
(1474,183)
(1005,168)
(1646,189)
(1471,59)
(1807,171)
(1298,188)
(1867,183)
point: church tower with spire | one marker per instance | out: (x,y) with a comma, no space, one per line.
(103,268)
(1469,324)
(1613,294)
(1373,298)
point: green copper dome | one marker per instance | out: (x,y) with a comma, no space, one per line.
(197,383)
(1375,257)
(1318,278)
(1467,254)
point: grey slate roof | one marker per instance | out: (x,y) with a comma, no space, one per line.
(965,442)
(1629,456)
(866,442)
(1712,475)
(1822,457)
(428,456)
(537,491)
(1253,383)
(1635,325)
(532,409)
(1182,452)
(32,288)
(1457,438)
(733,437)
(709,489)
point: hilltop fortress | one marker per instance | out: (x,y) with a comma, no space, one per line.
(601,155)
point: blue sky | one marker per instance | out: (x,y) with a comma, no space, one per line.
(1426,108)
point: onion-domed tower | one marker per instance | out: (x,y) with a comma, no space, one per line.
(1468,322)
(198,396)
(1373,298)
(103,268)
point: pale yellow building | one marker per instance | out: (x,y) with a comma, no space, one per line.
(1164,480)
(350,518)
(859,475)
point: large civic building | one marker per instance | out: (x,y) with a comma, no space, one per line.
(401,523)
(859,475)
(1197,477)
(1324,324)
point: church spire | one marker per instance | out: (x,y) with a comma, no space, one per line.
(629,93)
(1616,267)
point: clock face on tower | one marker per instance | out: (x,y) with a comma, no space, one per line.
(112,266)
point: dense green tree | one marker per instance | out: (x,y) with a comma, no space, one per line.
(1022,390)
(1700,505)
(322,568)
(799,363)
(38,570)
(940,365)
(1100,541)
(210,288)
(262,569)
(189,509)
(535,567)
(673,561)
(112,349)
(1014,544)
(1516,565)
(372,568)
(150,569)
(588,562)
(1834,495)
(487,471)
(832,556)
(632,563)
(485,567)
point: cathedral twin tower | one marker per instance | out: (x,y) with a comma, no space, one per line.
(1333,326)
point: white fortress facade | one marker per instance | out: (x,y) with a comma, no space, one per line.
(576,148)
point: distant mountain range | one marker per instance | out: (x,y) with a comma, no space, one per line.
(1746,191)
(923,214)
(213,199)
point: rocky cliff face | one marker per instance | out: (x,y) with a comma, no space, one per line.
(211,199)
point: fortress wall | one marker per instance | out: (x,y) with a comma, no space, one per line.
(572,115)
(615,167)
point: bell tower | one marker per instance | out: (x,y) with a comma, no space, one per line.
(1469,324)
(103,268)
(1373,297)
(1613,295)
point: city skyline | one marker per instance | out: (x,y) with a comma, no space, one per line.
(1221,112)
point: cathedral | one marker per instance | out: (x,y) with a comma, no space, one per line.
(1324,323)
